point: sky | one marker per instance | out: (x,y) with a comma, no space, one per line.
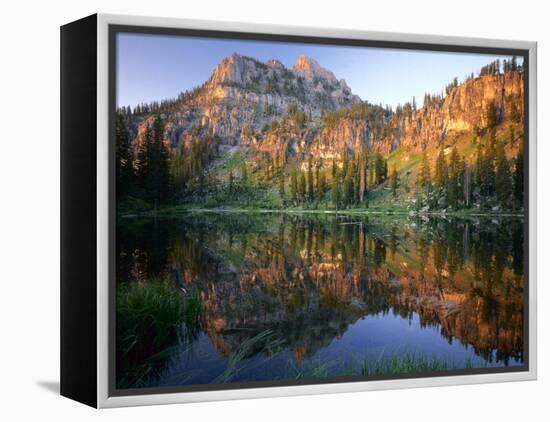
(157,67)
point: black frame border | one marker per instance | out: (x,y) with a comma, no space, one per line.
(78,210)
(114,29)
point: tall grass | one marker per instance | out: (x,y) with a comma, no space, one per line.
(264,341)
(403,363)
(394,364)
(317,369)
(148,318)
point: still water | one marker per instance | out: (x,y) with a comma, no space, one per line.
(288,296)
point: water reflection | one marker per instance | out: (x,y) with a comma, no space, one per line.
(332,290)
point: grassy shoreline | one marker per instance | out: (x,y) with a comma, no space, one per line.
(178,210)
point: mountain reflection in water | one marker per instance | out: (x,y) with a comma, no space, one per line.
(296,296)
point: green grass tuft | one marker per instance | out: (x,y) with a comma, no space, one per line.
(407,363)
(148,318)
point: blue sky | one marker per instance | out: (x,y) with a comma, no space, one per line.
(156,67)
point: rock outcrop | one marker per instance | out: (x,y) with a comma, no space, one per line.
(243,95)
(462,110)
(239,102)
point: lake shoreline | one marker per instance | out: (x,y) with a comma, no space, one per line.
(175,212)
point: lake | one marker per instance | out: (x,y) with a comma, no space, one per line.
(275,296)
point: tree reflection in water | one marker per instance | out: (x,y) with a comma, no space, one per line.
(306,279)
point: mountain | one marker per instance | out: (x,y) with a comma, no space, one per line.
(279,119)
(457,117)
(462,110)
(244,94)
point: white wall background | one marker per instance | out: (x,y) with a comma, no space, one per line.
(29,195)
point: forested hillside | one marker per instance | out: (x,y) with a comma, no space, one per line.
(259,135)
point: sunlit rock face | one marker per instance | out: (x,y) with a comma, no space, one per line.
(245,94)
(462,110)
(238,103)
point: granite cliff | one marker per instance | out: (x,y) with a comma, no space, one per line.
(268,108)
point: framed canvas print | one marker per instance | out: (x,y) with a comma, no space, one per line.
(252,210)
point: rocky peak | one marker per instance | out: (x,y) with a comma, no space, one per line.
(311,69)
(243,96)
(276,64)
(231,69)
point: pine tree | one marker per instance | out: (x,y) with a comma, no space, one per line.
(345,160)
(480,160)
(143,163)
(269,168)
(244,174)
(348,186)
(195,162)
(371,174)
(310,182)
(511,135)
(363,159)
(514,113)
(153,164)
(518,178)
(321,183)
(491,115)
(335,192)
(503,177)
(178,176)
(394,181)
(278,161)
(487,182)
(440,176)
(380,169)
(356,180)
(455,178)
(302,187)
(424,175)
(282,185)
(231,177)
(467,185)
(160,176)
(124,157)
(294,185)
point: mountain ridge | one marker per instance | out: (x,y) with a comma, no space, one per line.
(284,124)
(243,97)
(244,92)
